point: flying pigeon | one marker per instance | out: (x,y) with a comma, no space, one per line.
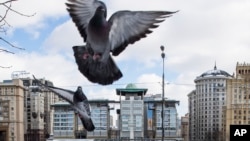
(78,102)
(104,37)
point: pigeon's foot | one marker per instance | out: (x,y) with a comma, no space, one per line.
(97,56)
(85,56)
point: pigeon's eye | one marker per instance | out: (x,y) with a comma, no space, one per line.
(101,8)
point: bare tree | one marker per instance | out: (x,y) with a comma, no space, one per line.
(6,6)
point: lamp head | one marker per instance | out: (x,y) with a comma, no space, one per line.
(163,55)
(162,48)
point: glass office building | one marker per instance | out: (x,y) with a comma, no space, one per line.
(101,118)
(63,120)
(170,118)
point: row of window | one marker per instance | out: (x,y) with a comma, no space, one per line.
(99,111)
(210,108)
(242,122)
(68,115)
(127,112)
(241,111)
(63,124)
(210,99)
(6,91)
(64,128)
(166,124)
(64,120)
(128,129)
(241,96)
(243,117)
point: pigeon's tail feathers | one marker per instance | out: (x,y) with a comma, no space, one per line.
(88,124)
(96,71)
(104,72)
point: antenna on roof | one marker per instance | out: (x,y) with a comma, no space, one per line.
(19,74)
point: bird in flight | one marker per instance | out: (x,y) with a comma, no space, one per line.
(104,37)
(78,102)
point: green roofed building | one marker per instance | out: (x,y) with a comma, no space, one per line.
(131,119)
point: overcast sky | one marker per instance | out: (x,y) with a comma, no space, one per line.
(200,34)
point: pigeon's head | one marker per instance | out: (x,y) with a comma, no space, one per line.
(79,88)
(79,95)
(101,10)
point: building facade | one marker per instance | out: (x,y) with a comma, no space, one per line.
(238,98)
(131,118)
(185,127)
(36,130)
(100,114)
(64,123)
(11,110)
(169,122)
(37,110)
(206,106)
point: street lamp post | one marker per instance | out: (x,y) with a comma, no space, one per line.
(163,82)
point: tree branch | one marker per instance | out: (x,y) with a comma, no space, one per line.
(11,44)
(6,12)
(2,19)
(4,50)
(5,67)
(7,1)
(19,13)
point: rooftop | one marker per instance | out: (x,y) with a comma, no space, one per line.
(131,89)
(215,72)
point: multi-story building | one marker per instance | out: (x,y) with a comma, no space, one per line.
(100,114)
(11,110)
(134,118)
(131,116)
(37,110)
(238,98)
(192,107)
(153,104)
(37,114)
(149,127)
(64,121)
(206,106)
(185,127)
(170,119)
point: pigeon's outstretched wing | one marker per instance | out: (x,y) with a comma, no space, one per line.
(128,27)
(63,93)
(81,11)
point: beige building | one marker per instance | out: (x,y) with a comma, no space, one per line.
(185,127)
(11,110)
(238,98)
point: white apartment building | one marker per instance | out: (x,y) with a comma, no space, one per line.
(206,106)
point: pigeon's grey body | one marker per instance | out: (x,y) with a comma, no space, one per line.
(78,102)
(103,36)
